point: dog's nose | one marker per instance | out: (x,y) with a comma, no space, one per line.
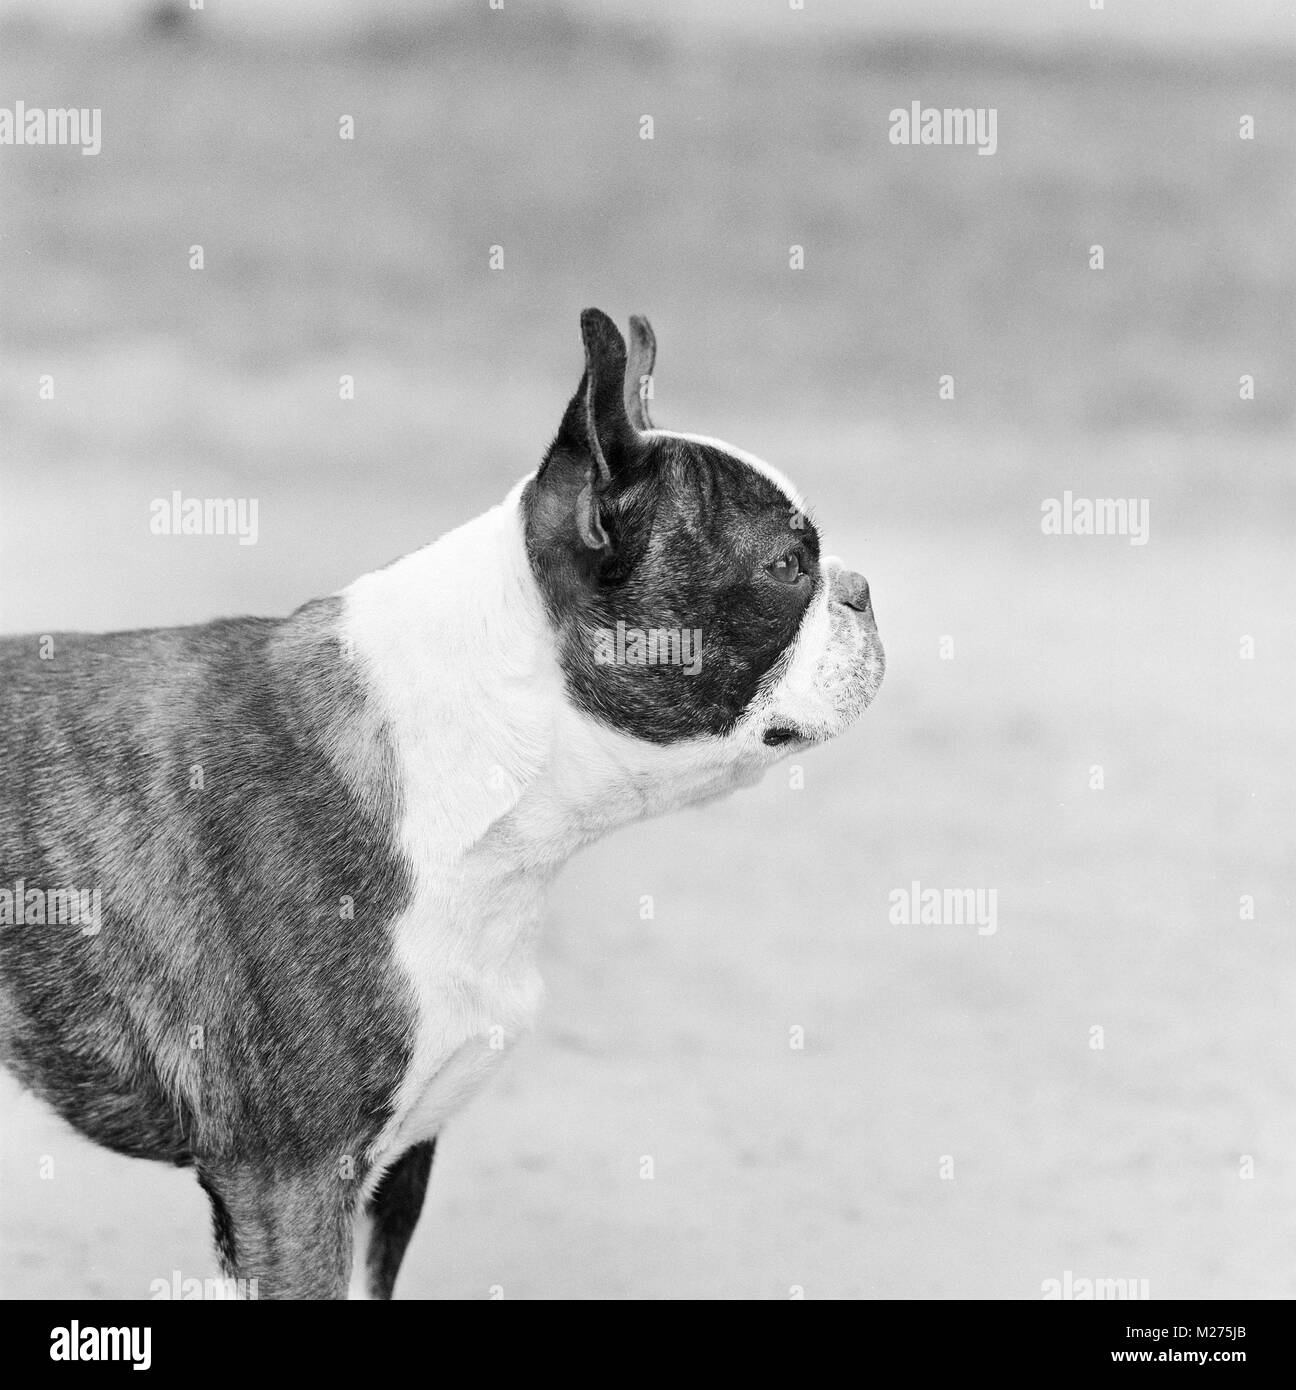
(851,589)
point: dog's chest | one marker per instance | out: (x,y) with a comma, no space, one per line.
(467,725)
(468,960)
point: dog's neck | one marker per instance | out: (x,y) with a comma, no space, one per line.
(493,765)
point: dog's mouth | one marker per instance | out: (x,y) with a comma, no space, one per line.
(781,734)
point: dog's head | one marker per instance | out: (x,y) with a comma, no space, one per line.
(685,581)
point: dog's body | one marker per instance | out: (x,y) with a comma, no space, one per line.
(324,842)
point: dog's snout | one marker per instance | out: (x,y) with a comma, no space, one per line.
(851,589)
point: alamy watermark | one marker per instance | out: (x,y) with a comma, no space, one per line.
(205,516)
(63,125)
(1097,516)
(917,906)
(653,646)
(73,1342)
(209,1290)
(917,124)
(55,907)
(1080,1289)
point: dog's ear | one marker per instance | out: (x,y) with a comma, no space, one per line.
(638,381)
(596,439)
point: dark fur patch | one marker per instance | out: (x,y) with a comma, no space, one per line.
(691,532)
(394,1210)
(229,1010)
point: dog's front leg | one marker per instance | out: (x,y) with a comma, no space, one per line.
(281,1234)
(387,1222)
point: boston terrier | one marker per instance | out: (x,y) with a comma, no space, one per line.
(270,888)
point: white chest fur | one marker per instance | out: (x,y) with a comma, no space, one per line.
(459,665)
(469,957)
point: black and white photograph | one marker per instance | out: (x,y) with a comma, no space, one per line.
(646,655)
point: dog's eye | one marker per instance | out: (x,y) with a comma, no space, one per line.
(789,569)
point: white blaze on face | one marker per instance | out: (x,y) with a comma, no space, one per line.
(830,673)
(796,503)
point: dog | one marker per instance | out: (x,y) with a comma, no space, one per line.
(320,844)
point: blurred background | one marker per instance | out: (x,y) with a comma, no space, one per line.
(948,1129)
